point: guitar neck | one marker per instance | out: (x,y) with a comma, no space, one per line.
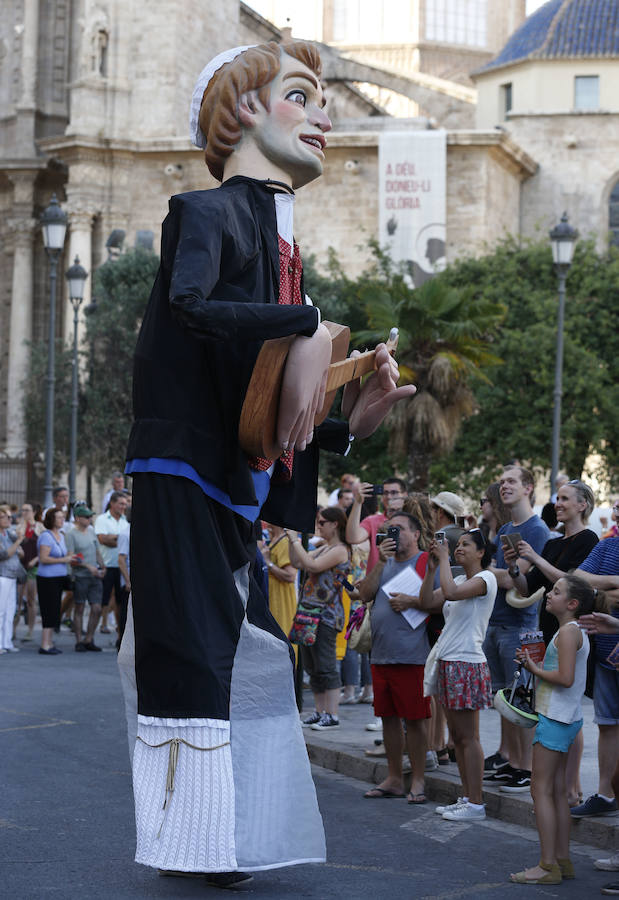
(346,370)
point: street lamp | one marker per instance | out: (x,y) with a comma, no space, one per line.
(562,239)
(54,226)
(76,275)
(90,310)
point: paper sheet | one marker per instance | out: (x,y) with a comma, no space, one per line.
(407,581)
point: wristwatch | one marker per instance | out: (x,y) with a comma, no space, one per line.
(513,572)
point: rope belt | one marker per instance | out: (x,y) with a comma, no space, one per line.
(172,763)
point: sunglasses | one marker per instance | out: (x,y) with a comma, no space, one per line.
(322,521)
(483,500)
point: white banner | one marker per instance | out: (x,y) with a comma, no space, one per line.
(412,185)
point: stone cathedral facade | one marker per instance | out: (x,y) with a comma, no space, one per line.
(94,98)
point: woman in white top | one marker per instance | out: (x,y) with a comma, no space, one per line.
(560,685)
(464,686)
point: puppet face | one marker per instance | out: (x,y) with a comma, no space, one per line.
(290,135)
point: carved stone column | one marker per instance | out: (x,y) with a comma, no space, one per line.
(22,232)
(81,219)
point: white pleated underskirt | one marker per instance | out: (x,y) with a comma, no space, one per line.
(249,805)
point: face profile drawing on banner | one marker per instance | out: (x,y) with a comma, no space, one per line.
(412,207)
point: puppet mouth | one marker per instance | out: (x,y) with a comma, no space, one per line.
(314,140)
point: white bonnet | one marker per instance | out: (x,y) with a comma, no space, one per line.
(195,132)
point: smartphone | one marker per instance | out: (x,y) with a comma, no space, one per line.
(345,583)
(377,490)
(439,537)
(393,532)
(380,537)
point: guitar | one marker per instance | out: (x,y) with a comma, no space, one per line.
(258,422)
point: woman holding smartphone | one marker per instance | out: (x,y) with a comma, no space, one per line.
(463,685)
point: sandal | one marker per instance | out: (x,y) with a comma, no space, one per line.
(552,876)
(378,793)
(443,756)
(415,798)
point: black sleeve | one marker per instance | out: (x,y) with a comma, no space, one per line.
(333,435)
(196,270)
(563,555)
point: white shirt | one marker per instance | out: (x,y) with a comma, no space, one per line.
(466,622)
(107,524)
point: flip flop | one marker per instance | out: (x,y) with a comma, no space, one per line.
(415,798)
(382,794)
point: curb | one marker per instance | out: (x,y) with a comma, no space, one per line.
(600,832)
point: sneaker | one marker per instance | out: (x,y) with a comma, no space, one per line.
(67,622)
(594,806)
(326,721)
(494,762)
(431,760)
(611,864)
(12,649)
(311,720)
(92,646)
(502,774)
(228,880)
(518,783)
(80,647)
(377,725)
(612,889)
(464,813)
(443,809)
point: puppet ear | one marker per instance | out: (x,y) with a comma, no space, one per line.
(247,109)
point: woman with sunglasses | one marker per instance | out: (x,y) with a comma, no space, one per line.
(574,504)
(325,566)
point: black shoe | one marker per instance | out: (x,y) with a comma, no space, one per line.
(500,775)
(81,647)
(92,646)
(228,880)
(494,762)
(518,783)
(53,651)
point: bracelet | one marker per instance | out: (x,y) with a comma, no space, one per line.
(514,572)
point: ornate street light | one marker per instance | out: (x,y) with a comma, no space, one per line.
(76,276)
(562,238)
(54,227)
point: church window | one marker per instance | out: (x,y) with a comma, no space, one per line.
(368,22)
(506,99)
(457,22)
(586,92)
(613,216)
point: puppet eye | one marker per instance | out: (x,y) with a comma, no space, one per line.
(297,97)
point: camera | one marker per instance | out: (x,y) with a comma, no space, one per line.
(439,537)
(377,490)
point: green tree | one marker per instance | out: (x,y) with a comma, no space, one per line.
(122,288)
(513,407)
(35,403)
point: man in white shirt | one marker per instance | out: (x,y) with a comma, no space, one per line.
(108,526)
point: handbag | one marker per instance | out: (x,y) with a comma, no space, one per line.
(305,624)
(359,631)
(430,673)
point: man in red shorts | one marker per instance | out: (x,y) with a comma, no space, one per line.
(399,652)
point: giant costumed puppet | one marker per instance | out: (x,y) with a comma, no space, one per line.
(221,777)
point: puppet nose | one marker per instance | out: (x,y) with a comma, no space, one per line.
(319,117)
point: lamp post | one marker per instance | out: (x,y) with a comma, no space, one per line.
(76,275)
(54,226)
(90,310)
(562,239)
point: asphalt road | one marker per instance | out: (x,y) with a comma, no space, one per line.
(66,813)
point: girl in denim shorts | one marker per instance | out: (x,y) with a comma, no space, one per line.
(560,685)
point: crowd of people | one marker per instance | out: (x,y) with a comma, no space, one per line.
(59,559)
(449,597)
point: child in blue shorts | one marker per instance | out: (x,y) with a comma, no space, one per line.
(559,688)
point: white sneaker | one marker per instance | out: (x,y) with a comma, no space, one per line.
(443,809)
(376,725)
(465,812)
(431,760)
(608,865)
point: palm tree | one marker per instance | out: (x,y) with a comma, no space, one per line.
(445,335)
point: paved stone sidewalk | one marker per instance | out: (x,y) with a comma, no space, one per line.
(344,751)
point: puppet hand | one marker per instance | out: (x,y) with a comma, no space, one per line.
(367,406)
(303,388)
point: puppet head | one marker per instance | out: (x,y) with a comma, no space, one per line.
(267,98)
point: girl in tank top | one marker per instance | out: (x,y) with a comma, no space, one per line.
(560,685)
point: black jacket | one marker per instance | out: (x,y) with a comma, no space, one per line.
(213,304)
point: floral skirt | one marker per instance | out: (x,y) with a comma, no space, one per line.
(463,685)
